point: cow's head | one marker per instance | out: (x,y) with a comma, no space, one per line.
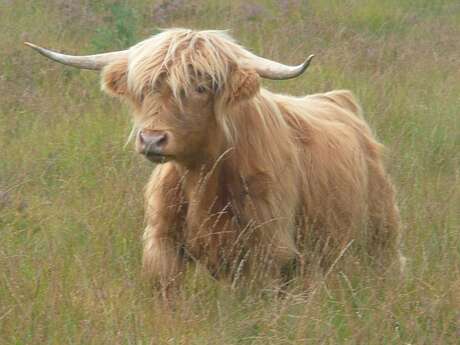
(178,82)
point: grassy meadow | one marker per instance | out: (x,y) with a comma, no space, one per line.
(71,208)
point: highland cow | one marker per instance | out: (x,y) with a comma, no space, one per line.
(248,182)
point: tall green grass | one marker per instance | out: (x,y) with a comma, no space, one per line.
(71,194)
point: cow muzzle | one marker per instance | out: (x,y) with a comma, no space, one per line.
(152,145)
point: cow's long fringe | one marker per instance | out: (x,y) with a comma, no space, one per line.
(183,55)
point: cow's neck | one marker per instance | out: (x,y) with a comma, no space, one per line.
(208,183)
(258,156)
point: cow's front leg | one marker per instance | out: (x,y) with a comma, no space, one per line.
(163,260)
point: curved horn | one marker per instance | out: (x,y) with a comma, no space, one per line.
(274,70)
(94,62)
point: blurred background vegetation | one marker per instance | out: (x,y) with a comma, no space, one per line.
(71,213)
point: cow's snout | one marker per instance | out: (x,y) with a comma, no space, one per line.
(152,142)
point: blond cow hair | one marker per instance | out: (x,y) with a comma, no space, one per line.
(292,179)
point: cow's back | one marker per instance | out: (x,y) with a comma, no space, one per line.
(339,154)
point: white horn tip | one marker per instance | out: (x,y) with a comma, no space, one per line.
(34,46)
(307,62)
(30,44)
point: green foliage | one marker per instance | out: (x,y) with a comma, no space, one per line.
(120,29)
(71,213)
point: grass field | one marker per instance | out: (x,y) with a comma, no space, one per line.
(71,213)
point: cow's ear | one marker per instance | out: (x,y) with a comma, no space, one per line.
(245,83)
(114,79)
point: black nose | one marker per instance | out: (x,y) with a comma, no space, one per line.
(152,142)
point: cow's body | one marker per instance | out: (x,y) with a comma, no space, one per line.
(255,203)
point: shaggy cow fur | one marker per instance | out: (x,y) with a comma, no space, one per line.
(251,181)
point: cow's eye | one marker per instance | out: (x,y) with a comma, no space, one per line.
(200,89)
(144,93)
